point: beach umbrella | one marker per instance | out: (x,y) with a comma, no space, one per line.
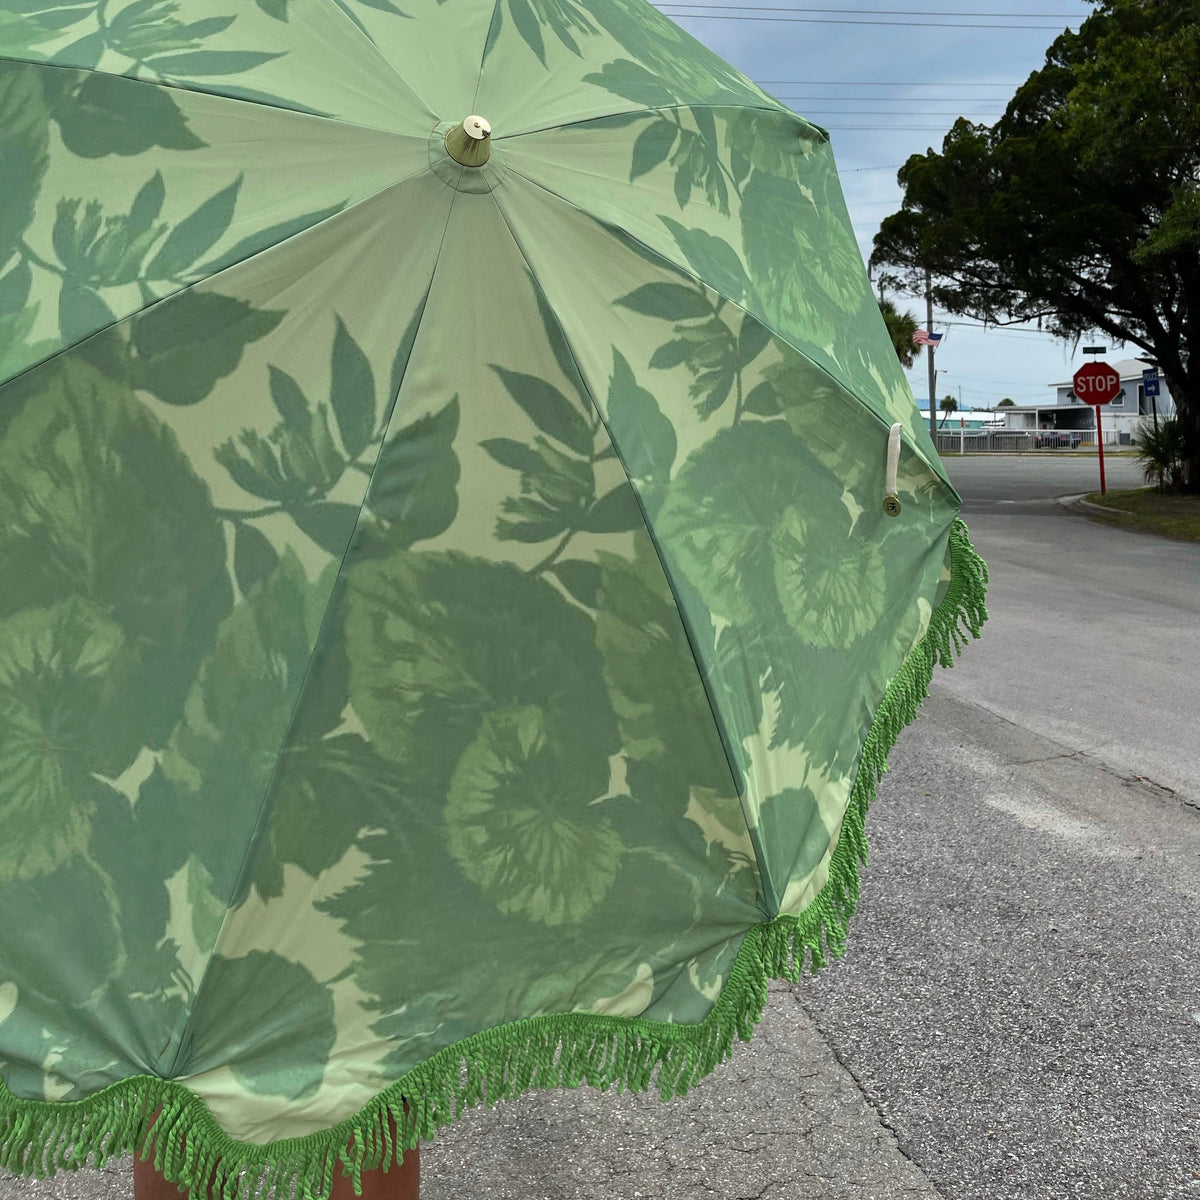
(466,549)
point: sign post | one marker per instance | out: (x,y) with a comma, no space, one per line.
(1097,384)
(1150,385)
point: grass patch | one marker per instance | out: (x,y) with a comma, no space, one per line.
(1144,508)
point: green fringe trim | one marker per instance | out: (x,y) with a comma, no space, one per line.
(191,1150)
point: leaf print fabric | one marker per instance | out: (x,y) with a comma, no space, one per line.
(431,597)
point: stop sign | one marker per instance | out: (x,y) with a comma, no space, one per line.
(1097,383)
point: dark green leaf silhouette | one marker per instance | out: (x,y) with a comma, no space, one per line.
(522,824)
(352,392)
(110,114)
(556,490)
(400,360)
(81,312)
(193,63)
(84,52)
(517,456)
(753,339)
(24,128)
(763,401)
(326,790)
(195,234)
(254,558)
(188,341)
(98,501)
(222,754)
(58,667)
(265,238)
(713,260)
(427,660)
(100,250)
(788,550)
(36,906)
(415,483)
(697,163)
(549,409)
(615,512)
(710,353)
(634,82)
(289,399)
(644,437)
(15,288)
(581,579)
(297,463)
(273,1049)
(652,146)
(790,822)
(274,8)
(528,26)
(330,525)
(668,301)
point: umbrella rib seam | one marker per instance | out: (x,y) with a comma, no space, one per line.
(203,91)
(255,833)
(386,61)
(650,111)
(842,386)
(722,732)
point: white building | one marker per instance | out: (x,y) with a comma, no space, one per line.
(1121,418)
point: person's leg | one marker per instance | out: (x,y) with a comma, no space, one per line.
(401,1182)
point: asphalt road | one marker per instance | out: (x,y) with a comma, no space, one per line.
(1094,636)
(1018,1013)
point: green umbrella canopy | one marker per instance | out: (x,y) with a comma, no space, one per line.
(450,628)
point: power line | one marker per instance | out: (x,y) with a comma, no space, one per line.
(698,16)
(875,83)
(882,112)
(898,99)
(882,12)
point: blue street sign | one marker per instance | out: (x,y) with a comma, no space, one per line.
(1150,382)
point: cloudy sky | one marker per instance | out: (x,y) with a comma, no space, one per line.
(888,81)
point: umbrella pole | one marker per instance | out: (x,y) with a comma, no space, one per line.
(401,1182)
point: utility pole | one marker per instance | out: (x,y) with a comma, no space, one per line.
(929,352)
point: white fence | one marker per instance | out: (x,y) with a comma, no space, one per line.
(1023,441)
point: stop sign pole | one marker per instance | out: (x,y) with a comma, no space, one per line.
(1097,384)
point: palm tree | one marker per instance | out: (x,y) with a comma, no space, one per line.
(949,405)
(900,326)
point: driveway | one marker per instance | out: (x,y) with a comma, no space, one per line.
(1094,636)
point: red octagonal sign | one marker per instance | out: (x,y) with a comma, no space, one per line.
(1097,383)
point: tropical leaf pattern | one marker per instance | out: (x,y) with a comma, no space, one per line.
(431,597)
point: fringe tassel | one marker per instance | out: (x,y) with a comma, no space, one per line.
(191,1150)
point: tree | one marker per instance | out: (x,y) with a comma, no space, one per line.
(1081,206)
(900,326)
(948,405)
(1007,403)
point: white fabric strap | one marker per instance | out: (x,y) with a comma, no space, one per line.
(893,459)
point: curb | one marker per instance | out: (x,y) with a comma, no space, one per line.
(1080,503)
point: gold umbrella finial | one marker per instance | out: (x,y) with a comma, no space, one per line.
(471,142)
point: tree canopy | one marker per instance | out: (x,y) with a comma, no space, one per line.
(1081,206)
(901,327)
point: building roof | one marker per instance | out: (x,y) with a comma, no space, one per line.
(1127,368)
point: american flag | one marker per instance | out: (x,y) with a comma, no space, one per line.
(922,338)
